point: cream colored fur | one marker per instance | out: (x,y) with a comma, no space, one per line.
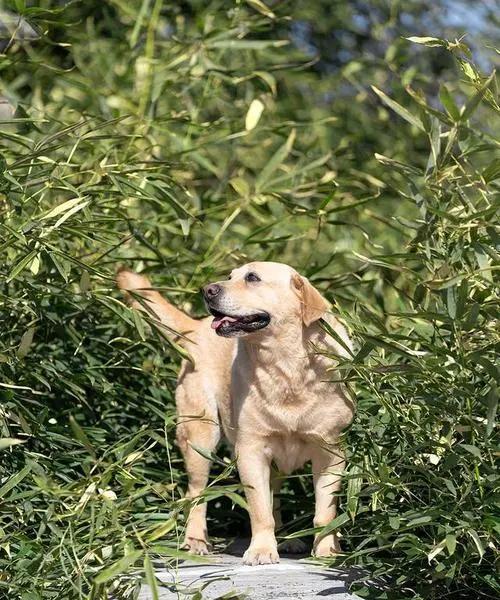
(270,393)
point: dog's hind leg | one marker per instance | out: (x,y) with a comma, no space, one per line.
(198,428)
(328,465)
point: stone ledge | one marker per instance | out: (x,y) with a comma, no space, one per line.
(290,579)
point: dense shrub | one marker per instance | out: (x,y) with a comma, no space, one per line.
(182,140)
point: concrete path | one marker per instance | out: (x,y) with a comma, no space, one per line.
(290,579)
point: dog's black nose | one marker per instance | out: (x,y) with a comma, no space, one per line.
(211,290)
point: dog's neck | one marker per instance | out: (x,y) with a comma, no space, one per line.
(275,349)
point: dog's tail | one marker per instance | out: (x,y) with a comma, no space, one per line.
(174,320)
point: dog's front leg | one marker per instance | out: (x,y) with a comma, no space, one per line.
(254,468)
(327,465)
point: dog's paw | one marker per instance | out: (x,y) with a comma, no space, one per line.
(293,547)
(261,555)
(328,546)
(196,546)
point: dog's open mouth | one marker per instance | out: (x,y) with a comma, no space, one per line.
(228,325)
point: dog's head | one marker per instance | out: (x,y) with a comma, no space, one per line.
(262,295)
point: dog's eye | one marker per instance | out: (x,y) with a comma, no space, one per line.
(252,277)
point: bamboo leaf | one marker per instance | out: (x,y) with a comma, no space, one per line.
(400,110)
(246,44)
(451,543)
(26,341)
(334,524)
(21,265)
(262,8)
(432,42)
(119,567)
(353,489)
(162,530)
(449,104)
(15,480)
(436,550)
(151,578)
(473,102)
(477,541)
(253,114)
(276,160)
(61,208)
(80,435)
(492,400)
(9,442)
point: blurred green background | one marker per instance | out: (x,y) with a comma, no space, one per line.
(356,141)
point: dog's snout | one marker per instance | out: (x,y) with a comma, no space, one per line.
(211,291)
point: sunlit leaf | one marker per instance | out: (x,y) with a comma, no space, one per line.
(253,115)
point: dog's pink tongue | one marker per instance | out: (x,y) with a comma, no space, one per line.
(218,321)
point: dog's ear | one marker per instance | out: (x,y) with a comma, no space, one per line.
(314,306)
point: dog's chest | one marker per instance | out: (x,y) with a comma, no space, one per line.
(289,452)
(293,405)
(301,410)
(287,398)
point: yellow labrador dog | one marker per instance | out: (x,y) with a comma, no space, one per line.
(260,375)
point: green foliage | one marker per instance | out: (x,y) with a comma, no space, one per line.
(182,140)
(427,374)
